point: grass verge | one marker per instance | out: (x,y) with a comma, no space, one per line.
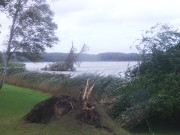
(14,64)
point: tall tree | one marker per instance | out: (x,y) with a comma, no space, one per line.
(159,48)
(31,31)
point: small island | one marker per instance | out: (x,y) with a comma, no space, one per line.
(68,63)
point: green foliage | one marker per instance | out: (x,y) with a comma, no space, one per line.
(119,106)
(159,37)
(32,28)
(152,90)
(148,97)
(166,102)
(162,61)
(160,50)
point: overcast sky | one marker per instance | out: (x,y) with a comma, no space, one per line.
(107,25)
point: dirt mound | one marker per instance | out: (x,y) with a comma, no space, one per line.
(59,105)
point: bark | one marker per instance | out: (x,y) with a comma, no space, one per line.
(8,52)
(3,75)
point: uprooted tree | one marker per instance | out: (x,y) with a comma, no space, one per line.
(31,30)
(60,105)
(69,62)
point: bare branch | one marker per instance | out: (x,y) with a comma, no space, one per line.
(89,91)
(85,90)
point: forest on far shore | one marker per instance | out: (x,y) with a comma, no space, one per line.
(109,56)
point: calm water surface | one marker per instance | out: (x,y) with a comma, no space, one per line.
(103,68)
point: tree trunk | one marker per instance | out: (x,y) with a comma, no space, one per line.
(8,52)
(4,74)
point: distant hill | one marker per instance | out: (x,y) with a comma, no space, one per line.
(109,56)
(116,56)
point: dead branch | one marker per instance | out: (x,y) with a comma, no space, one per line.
(88,110)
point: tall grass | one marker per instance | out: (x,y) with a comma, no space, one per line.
(56,83)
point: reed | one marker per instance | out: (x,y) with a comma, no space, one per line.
(58,83)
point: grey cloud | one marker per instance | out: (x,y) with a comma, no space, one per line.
(143,17)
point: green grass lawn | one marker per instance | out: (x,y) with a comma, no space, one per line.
(13,64)
(15,102)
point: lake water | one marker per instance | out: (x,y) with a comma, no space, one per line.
(102,68)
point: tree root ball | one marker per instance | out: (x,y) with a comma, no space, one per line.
(56,106)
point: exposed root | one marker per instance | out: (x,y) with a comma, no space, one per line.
(59,105)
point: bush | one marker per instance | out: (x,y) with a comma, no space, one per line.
(150,97)
(152,89)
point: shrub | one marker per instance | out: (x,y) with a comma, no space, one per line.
(152,97)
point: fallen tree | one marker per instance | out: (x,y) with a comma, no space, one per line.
(59,105)
(72,59)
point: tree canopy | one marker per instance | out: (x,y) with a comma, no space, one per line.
(32,30)
(151,91)
(160,50)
